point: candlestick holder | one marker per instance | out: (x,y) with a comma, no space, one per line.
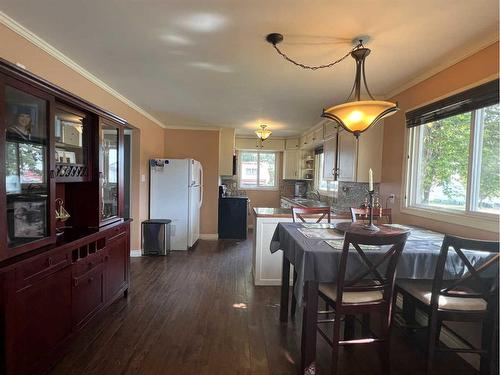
(370,226)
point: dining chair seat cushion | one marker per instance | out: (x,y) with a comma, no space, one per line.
(422,290)
(330,291)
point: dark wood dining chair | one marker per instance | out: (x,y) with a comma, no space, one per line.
(378,214)
(317,214)
(300,214)
(367,290)
(471,298)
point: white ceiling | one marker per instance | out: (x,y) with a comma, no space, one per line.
(206,63)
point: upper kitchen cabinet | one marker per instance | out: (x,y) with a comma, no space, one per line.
(110,171)
(330,158)
(71,138)
(292,144)
(291,165)
(226,151)
(27,194)
(346,157)
(317,136)
(270,144)
(346,161)
(370,153)
(329,130)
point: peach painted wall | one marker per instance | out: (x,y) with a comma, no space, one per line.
(202,145)
(477,68)
(15,48)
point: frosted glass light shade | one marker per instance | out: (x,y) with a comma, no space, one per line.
(357,116)
(263,133)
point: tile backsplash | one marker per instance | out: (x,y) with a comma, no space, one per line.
(349,194)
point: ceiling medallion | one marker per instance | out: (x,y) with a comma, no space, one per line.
(355,115)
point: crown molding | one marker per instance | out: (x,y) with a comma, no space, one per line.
(472,50)
(58,55)
(194,127)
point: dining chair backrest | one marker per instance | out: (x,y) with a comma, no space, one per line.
(300,214)
(374,275)
(378,213)
(479,281)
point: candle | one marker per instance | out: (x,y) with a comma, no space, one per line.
(370,180)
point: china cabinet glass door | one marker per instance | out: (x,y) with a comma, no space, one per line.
(109,143)
(27,182)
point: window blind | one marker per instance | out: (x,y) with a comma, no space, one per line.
(466,101)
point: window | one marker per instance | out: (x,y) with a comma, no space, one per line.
(257,170)
(320,183)
(454,160)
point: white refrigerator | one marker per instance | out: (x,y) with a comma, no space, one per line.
(176,193)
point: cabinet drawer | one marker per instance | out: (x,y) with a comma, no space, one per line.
(40,267)
(88,263)
(87,294)
(115,232)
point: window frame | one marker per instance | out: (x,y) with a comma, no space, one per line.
(275,187)
(469,216)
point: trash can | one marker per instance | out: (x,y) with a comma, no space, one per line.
(156,237)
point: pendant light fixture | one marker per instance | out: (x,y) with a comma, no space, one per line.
(355,115)
(263,133)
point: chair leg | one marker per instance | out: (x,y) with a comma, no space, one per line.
(431,341)
(487,344)
(409,310)
(385,346)
(366,325)
(335,345)
(349,327)
(293,307)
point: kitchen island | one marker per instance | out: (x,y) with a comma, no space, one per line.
(266,267)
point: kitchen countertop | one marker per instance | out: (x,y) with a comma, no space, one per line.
(307,203)
(287,212)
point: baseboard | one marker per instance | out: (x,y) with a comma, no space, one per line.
(135,253)
(209,236)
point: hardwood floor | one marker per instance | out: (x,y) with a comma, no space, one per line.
(199,313)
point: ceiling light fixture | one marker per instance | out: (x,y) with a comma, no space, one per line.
(263,133)
(355,115)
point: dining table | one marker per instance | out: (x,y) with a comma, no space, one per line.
(314,250)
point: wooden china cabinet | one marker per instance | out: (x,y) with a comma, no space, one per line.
(64,245)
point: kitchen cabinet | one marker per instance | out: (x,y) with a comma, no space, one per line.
(72,132)
(346,157)
(116,261)
(58,151)
(291,164)
(317,136)
(370,153)
(292,144)
(255,144)
(306,141)
(349,161)
(88,293)
(40,321)
(329,130)
(27,194)
(110,171)
(330,159)
(226,151)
